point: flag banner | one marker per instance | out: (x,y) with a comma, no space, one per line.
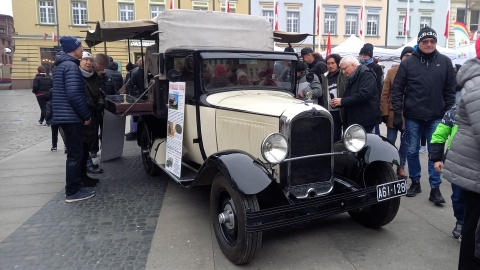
(54,37)
(329,46)
(228,6)
(406,28)
(318,20)
(45,36)
(276,16)
(462,40)
(172,5)
(361,21)
(447,24)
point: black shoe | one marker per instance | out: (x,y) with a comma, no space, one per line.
(457,231)
(414,189)
(53,149)
(94,170)
(436,196)
(132,136)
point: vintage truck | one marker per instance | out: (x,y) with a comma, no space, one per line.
(269,158)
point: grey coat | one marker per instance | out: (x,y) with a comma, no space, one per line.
(462,165)
(315,87)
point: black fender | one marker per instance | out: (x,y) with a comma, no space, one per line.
(157,126)
(244,172)
(377,148)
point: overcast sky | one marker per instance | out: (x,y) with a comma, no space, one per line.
(6,7)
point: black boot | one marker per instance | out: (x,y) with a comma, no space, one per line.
(414,189)
(436,196)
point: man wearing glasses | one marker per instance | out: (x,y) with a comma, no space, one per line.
(423,90)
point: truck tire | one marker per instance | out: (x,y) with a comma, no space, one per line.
(238,245)
(145,145)
(378,215)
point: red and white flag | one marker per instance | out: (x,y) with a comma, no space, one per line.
(318,20)
(276,16)
(406,27)
(329,46)
(447,24)
(172,5)
(227,6)
(361,21)
(54,37)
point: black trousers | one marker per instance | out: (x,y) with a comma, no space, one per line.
(74,142)
(42,102)
(467,259)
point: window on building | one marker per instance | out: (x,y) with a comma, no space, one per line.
(373,21)
(47,12)
(293,22)
(474,19)
(425,21)
(351,22)
(233,6)
(330,21)
(47,56)
(126,12)
(461,15)
(79,13)
(155,10)
(200,5)
(401,27)
(2,30)
(268,14)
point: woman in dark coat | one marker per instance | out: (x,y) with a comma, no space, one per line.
(42,84)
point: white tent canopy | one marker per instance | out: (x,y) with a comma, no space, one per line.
(352,46)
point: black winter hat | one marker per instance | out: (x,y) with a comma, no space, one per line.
(306,51)
(406,50)
(301,66)
(367,49)
(426,32)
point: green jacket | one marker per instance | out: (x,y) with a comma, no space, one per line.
(444,132)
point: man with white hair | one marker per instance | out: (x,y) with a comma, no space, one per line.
(359,102)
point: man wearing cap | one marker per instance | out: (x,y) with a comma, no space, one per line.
(423,90)
(70,111)
(314,61)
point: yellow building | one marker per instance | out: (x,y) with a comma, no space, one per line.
(36,28)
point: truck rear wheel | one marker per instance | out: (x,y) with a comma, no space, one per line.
(378,215)
(228,213)
(145,145)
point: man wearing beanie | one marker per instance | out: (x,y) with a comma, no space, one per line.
(462,164)
(71,113)
(366,59)
(423,90)
(387,112)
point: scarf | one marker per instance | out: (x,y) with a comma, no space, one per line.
(86,74)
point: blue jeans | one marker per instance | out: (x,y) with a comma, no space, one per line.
(74,143)
(458,203)
(413,132)
(392,137)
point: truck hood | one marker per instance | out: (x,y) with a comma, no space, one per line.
(272,103)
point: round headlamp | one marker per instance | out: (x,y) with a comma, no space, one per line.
(354,138)
(274,148)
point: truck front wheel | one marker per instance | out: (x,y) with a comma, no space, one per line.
(145,145)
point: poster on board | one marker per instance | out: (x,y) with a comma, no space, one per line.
(176,115)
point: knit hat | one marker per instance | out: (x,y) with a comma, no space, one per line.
(301,66)
(426,32)
(367,49)
(477,47)
(70,44)
(406,50)
(240,74)
(306,51)
(87,55)
(220,70)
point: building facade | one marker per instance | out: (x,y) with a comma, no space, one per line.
(467,12)
(37,30)
(7,44)
(432,13)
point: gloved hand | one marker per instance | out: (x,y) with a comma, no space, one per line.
(398,122)
(384,118)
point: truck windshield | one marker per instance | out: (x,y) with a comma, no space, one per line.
(232,74)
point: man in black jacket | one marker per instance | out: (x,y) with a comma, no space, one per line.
(359,100)
(314,60)
(423,90)
(112,71)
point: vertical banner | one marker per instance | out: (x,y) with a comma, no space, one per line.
(176,113)
(447,25)
(462,40)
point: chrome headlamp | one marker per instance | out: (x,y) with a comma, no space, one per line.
(354,138)
(274,148)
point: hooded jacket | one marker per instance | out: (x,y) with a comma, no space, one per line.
(424,87)
(42,84)
(112,71)
(462,165)
(68,94)
(360,99)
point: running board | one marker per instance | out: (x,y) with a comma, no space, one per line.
(187,176)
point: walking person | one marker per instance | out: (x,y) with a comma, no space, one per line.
(422,92)
(387,113)
(462,164)
(71,113)
(359,100)
(42,83)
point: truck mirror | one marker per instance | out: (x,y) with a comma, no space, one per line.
(173,75)
(309,77)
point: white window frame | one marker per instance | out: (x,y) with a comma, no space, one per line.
(425,21)
(82,13)
(233,6)
(200,5)
(293,21)
(48,8)
(354,19)
(373,22)
(154,13)
(268,12)
(330,16)
(125,8)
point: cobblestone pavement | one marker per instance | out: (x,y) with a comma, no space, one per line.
(19,113)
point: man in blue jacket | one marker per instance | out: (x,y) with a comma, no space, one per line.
(70,111)
(423,90)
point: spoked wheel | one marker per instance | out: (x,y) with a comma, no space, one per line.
(145,145)
(380,214)
(228,213)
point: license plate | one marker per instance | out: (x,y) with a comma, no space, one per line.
(391,190)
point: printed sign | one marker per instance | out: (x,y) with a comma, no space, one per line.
(462,40)
(176,113)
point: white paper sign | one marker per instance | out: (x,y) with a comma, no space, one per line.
(176,113)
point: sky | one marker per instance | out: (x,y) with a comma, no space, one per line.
(6,7)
